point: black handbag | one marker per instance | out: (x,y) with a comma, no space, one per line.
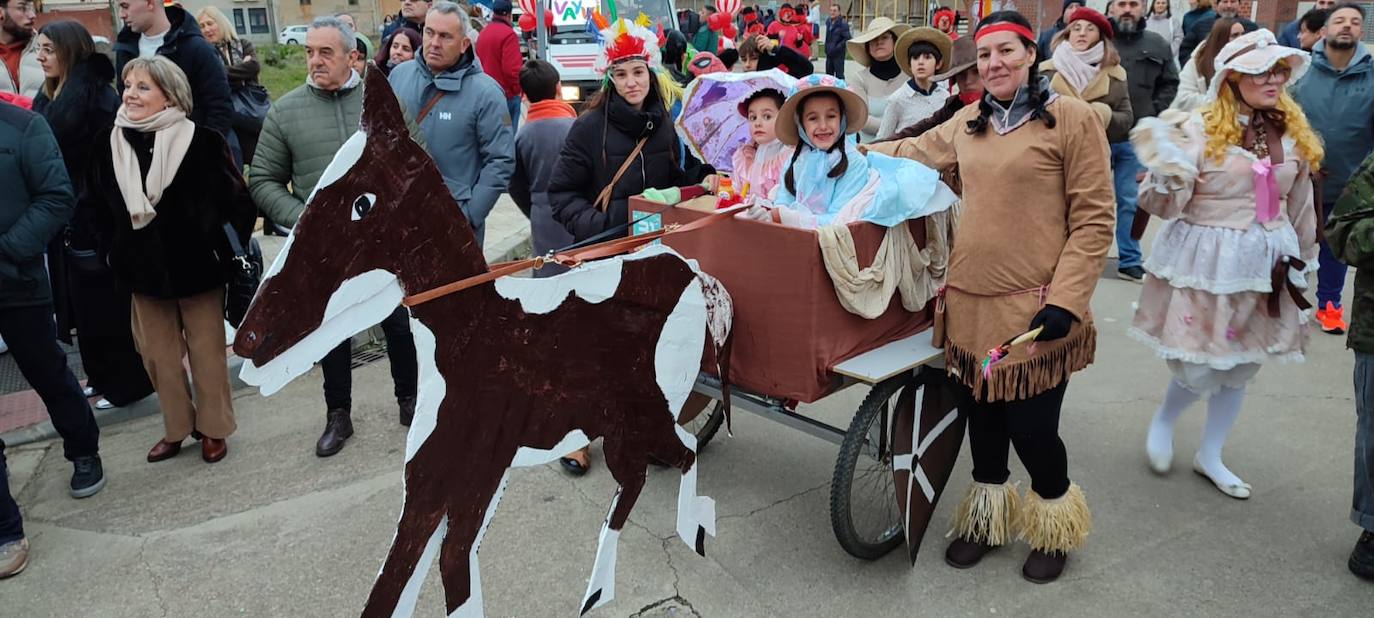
(245,273)
(252,101)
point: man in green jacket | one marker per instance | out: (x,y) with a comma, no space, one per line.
(301,134)
(1350,234)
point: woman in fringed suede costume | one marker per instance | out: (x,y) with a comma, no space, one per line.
(1030,247)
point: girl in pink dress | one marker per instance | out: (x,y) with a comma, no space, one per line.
(759,163)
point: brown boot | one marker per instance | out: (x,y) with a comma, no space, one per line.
(1053,528)
(964,554)
(1043,567)
(338,427)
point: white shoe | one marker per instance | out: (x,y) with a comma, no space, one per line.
(4,348)
(1160,463)
(1240,491)
(88,392)
(104,404)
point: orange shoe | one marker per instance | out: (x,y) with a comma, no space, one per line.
(1332,319)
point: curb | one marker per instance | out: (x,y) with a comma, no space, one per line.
(147,406)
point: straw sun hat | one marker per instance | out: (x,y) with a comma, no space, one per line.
(855,108)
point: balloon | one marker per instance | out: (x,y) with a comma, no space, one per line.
(718,21)
(729,7)
(730,31)
(527,7)
(527,22)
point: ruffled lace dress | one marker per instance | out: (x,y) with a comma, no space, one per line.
(1207,304)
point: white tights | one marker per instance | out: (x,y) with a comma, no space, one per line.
(1223,407)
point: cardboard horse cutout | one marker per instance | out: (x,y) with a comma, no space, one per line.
(515,372)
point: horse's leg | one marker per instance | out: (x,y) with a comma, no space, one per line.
(628,470)
(458,557)
(696,515)
(412,551)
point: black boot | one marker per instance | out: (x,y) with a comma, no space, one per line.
(965,554)
(407,405)
(1043,567)
(1362,558)
(338,427)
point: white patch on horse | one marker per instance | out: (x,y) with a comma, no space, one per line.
(677,357)
(593,282)
(526,456)
(358,303)
(349,154)
(431,392)
(693,510)
(603,569)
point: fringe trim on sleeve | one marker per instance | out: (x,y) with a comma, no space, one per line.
(1023,378)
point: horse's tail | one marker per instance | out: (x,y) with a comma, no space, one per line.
(720,312)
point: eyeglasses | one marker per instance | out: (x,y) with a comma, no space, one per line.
(1278,75)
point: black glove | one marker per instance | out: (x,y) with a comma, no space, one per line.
(1056,320)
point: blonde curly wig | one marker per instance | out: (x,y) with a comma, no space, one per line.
(1223,128)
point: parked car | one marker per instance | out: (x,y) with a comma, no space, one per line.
(292,35)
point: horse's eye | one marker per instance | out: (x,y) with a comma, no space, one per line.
(363,205)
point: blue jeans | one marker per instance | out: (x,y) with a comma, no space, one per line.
(513,105)
(1124,169)
(1362,504)
(1330,272)
(11,523)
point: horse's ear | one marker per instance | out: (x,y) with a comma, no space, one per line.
(381,110)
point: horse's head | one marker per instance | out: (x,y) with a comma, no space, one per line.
(379,223)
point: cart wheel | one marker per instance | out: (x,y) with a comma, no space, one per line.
(706,424)
(863,501)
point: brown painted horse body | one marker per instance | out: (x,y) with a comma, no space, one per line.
(502,384)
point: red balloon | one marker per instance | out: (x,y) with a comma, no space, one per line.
(527,22)
(729,7)
(730,31)
(527,7)
(718,21)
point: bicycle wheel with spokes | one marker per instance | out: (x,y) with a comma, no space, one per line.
(863,499)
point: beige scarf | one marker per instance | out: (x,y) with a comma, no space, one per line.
(899,267)
(174,132)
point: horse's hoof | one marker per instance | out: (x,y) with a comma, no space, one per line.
(591,601)
(701,541)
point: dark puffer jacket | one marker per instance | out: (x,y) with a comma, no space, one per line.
(38,201)
(598,143)
(184,45)
(183,251)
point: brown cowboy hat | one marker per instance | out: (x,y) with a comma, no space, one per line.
(927,34)
(855,107)
(963,56)
(858,46)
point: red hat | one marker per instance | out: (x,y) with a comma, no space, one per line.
(1093,17)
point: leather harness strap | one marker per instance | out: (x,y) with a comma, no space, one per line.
(571,258)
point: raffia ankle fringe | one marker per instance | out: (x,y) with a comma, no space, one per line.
(1059,525)
(987,513)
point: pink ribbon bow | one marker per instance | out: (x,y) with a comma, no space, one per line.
(1266,191)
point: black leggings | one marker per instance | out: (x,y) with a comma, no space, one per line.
(1032,426)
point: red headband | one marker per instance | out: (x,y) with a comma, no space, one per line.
(1005,26)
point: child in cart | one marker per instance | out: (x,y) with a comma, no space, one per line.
(828,181)
(758,164)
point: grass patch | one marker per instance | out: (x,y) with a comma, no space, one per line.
(283,68)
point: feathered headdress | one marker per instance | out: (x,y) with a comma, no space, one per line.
(625,41)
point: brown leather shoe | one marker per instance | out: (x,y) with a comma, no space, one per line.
(163,450)
(965,554)
(213,449)
(1043,567)
(338,427)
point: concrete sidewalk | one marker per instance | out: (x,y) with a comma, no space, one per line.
(275,531)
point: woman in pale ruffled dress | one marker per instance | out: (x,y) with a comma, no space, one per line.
(1228,269)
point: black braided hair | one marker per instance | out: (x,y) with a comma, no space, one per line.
(835,172)
(1038,96)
